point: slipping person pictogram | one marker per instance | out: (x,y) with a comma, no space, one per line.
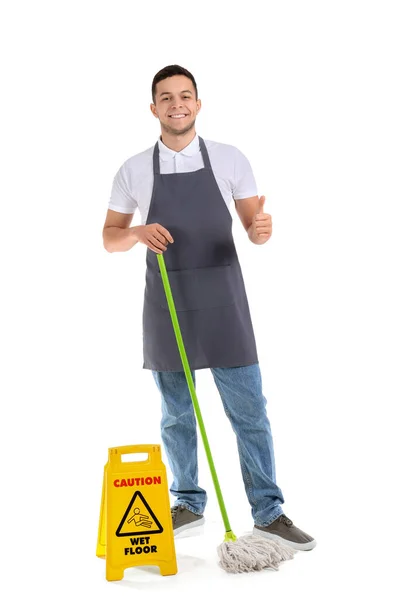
(140,519)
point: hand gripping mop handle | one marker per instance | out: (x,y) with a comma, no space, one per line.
(189,379)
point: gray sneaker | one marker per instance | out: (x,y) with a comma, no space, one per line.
(283,530)
(182,519)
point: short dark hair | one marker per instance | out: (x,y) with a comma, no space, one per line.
(169,72)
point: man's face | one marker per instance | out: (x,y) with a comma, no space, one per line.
(176,96)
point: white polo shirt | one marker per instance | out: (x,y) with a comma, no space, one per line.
(133,184)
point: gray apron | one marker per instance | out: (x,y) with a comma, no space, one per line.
(204,273)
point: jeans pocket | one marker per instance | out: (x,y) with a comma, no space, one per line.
(197,289)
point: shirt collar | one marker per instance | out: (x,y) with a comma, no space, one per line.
(190,150)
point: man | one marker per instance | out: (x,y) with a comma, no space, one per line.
(183,188)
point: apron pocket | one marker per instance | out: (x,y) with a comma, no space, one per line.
(196,289)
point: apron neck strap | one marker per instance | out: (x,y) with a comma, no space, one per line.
(156,160)
(204,153)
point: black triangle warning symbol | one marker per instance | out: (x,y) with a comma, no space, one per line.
(138,518)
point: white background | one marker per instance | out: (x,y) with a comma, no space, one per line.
(309,91)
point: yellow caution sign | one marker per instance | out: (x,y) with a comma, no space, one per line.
(135,526)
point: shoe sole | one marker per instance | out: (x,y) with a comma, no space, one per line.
(187,526)
(294,545)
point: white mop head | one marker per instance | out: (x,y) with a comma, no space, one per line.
(252,553)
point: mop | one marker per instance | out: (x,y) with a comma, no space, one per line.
(249,552)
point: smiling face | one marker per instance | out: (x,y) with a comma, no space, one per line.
(175,105)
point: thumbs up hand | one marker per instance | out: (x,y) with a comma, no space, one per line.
(261,227)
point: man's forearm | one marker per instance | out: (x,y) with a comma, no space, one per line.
(118,239)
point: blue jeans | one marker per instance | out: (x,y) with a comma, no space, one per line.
(240,389)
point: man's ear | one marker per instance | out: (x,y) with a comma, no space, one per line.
(198,105)
(153,110)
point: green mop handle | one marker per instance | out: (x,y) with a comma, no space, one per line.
(189,379)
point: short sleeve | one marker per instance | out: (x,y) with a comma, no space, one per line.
(121,199)
(244,183)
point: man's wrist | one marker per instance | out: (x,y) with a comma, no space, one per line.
(133,233)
